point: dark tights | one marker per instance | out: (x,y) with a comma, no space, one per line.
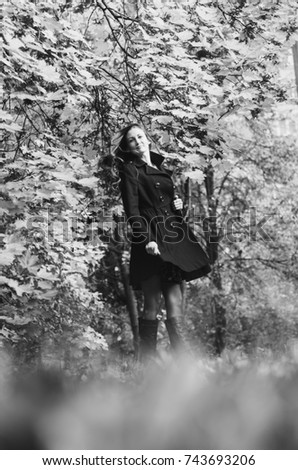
(152,289)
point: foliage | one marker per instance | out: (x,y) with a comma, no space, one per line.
(49,249)
(73,72)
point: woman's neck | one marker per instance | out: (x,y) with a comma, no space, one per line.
(146,158)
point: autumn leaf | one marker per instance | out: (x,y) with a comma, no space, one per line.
(197,175)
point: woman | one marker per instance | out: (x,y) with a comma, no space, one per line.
(164,251)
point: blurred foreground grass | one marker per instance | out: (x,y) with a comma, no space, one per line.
(198,403)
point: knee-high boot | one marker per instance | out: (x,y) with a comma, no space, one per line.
(148,338)
(177,334)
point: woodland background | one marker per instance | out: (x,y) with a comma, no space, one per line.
(213,82)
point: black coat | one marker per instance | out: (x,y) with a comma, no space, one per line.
(148,195)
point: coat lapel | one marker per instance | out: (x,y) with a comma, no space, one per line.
(152,171)
(157,160)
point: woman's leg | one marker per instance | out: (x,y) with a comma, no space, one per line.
(152,295)
(173,295)
(148,323)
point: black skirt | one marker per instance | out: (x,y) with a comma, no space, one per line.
(143,266)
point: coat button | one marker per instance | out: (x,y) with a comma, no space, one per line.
(174,186)
(166,212)
(161,198)
(157,185)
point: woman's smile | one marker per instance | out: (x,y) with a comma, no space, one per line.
(137,141)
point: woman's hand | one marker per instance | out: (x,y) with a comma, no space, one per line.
(152,248)
(178,204)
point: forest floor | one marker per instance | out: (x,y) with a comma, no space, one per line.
(231,402)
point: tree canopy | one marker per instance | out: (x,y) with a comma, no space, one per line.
(204,77)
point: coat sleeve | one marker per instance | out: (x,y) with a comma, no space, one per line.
(130,198)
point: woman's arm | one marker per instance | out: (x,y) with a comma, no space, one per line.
(130,198)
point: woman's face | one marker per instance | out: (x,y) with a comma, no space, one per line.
(137,142)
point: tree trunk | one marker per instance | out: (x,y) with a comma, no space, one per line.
(131,302)
(187,203)
(131,306)
(218,309)
(295,57)
(219,312)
